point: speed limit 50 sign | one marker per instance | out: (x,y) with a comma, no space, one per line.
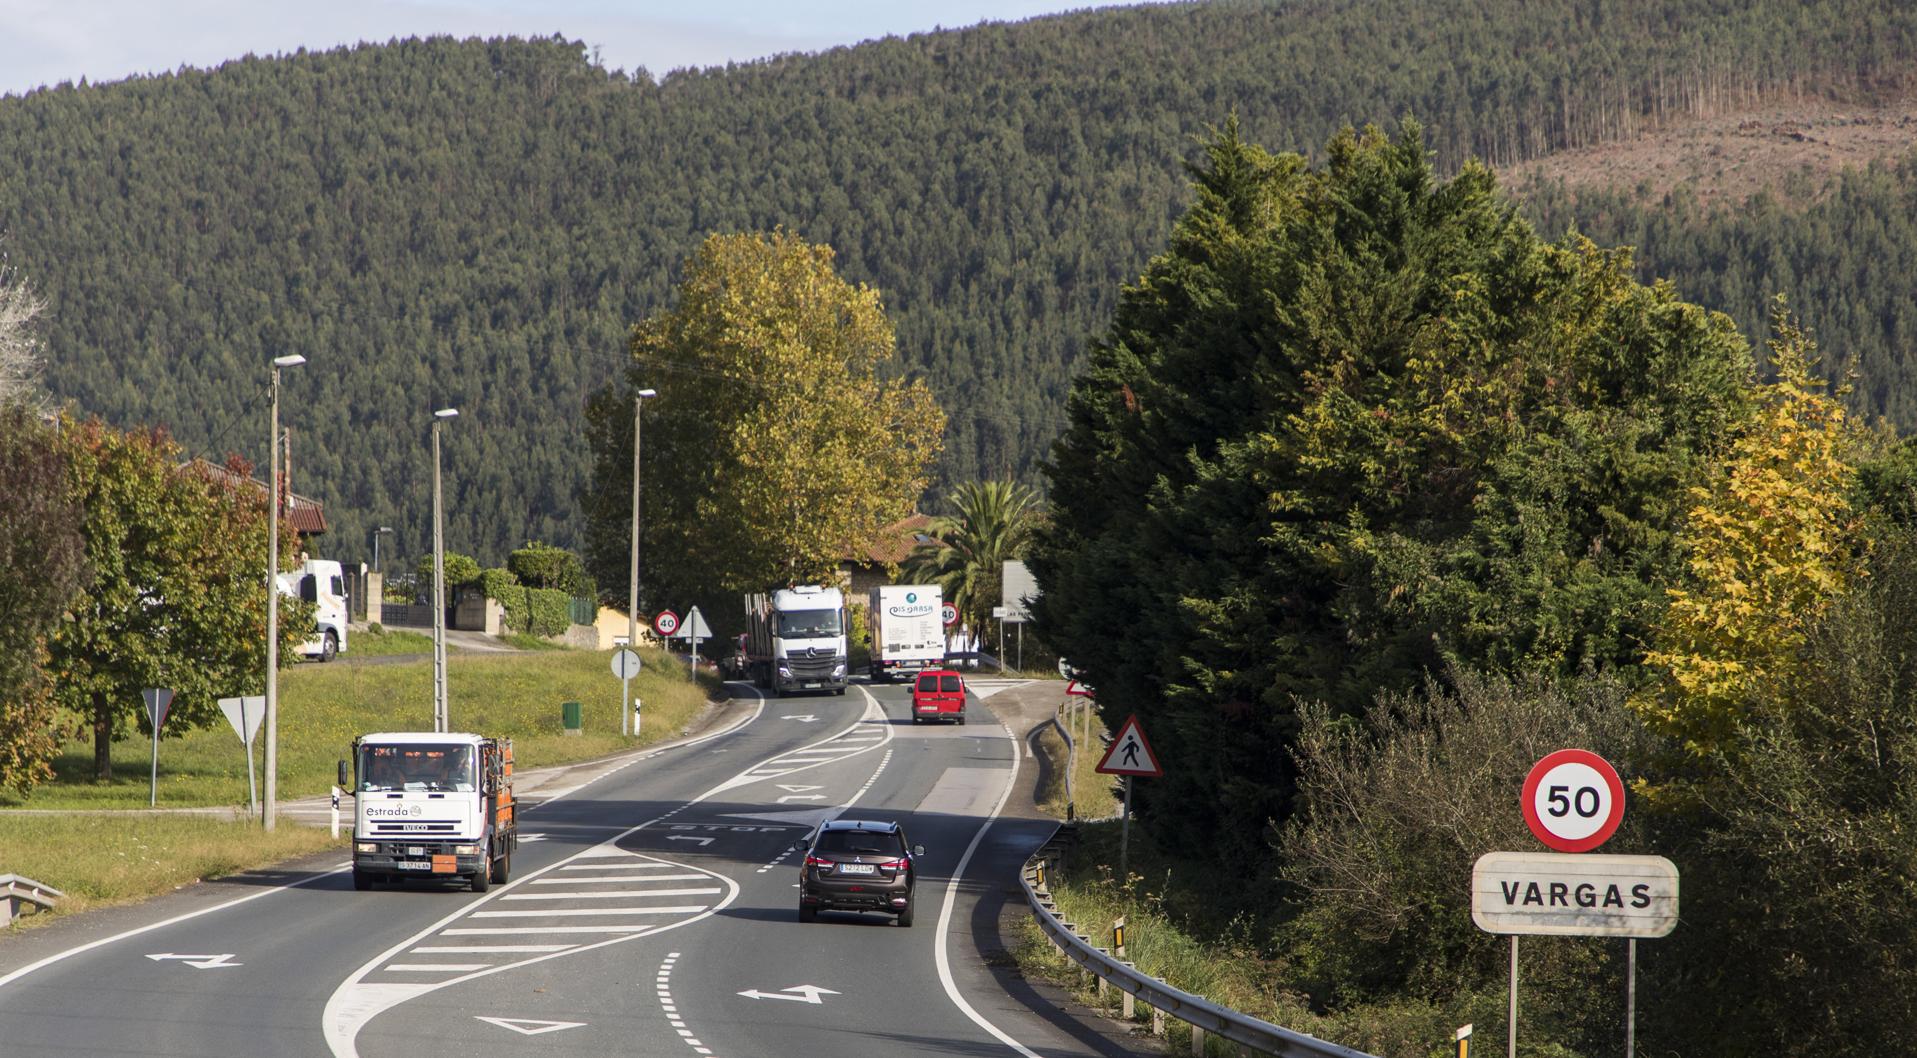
(1573,800)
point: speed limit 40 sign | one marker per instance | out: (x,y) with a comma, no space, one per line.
(1573,800)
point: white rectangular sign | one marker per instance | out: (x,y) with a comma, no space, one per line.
(1574,895)
(1016,588)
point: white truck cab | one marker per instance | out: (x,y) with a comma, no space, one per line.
(795,639)
(432,804)
(321,582)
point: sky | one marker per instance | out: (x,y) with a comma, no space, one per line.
(45,42)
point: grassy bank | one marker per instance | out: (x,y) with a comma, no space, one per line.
(103,860)
(322,707)
(1094,796)
(380,641)
(1174,932)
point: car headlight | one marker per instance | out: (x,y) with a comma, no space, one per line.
(366,846)
(465,850)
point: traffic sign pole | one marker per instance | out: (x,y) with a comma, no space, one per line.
(1125,834)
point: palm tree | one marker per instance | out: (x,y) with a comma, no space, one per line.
(968,549)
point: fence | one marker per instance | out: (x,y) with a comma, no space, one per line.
(407,616)
(1201,1014)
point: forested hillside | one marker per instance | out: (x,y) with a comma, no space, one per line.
(480,223)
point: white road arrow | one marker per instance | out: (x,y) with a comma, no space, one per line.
(688,837)
(803,718)
(204,962)
(528,1026)
(806,994)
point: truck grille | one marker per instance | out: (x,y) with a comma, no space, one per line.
(808,666)
(415,828)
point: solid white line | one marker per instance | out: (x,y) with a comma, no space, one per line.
(438,967)
(940,955)
(448,949)
(613,894)
(597,878)
(521,931)
(582,912)
(614,866)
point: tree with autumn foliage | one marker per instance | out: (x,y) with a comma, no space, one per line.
(1771,541)
(178,597)
(775,446)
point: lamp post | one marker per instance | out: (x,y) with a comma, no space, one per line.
(273,595)
(632,609)
(442,720)
(384,530)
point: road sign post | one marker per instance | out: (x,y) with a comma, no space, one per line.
(244,713)
(158,701)
(1131,756)
(625,665)
(1573,801)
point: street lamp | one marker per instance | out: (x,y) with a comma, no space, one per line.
(632,609)
(273,595)
(442,721)
(384,530)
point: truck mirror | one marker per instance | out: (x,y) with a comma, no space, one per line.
(342,775)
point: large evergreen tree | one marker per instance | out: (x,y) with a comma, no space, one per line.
(1353,423)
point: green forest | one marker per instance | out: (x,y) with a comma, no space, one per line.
(480,223)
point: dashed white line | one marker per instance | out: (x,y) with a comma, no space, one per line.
(663,986)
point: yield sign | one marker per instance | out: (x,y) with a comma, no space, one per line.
(1129,753)
(528,1026)
(244,714)
(158,701)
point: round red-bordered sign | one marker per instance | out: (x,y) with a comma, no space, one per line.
(665,622)
(949,614)
(1573,800)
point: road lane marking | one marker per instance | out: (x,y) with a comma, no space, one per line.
(521,931)
(437,967)
(591,879)
(454,949)
(562,912)
(613,894)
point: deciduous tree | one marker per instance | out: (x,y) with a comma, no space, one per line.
(178,597)
(776,445)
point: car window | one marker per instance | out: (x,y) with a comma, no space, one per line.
(928,683)
(951,685)
(860,843)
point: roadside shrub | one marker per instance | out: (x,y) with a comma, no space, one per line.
(537,611)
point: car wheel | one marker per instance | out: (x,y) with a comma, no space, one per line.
(905,916)
(329,647)
(362,881)
(808,914)
(961,719)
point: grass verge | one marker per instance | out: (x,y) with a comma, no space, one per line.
(380,641)
(322,708)
(103,860)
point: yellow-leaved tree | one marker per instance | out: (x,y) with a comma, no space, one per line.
(1771,541)
(775,446)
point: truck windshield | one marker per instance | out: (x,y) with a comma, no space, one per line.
(416,767)
(808,624)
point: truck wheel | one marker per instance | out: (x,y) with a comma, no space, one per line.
(503,868)
(362,881)
(483,877)
(329,647)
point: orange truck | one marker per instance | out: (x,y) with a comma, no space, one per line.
(432,804)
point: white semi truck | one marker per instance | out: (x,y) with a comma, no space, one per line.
(795,639)
(908,628)
(323,583)
(432,804)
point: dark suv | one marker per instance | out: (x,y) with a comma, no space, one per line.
(858,865)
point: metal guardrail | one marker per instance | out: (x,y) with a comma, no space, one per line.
(16,893)
(1203,1015)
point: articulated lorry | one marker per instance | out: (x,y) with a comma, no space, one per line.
(795,639)
(908,629)
(323,583)
(432,804)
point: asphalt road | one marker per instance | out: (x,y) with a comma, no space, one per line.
(652,912)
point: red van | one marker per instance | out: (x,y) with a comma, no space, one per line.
(939,694)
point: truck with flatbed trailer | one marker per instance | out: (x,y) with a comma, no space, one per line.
(795,639)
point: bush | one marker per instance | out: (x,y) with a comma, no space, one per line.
(537,611)
(544,566)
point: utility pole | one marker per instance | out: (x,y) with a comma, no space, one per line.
(632,602)
(273,597)
(442,720)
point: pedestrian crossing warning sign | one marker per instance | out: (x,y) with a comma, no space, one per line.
(1129,753)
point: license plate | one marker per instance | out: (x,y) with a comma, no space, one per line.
(857,868)
(413,865)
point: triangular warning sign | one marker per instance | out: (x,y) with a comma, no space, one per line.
(1129,753)
(530,1027)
